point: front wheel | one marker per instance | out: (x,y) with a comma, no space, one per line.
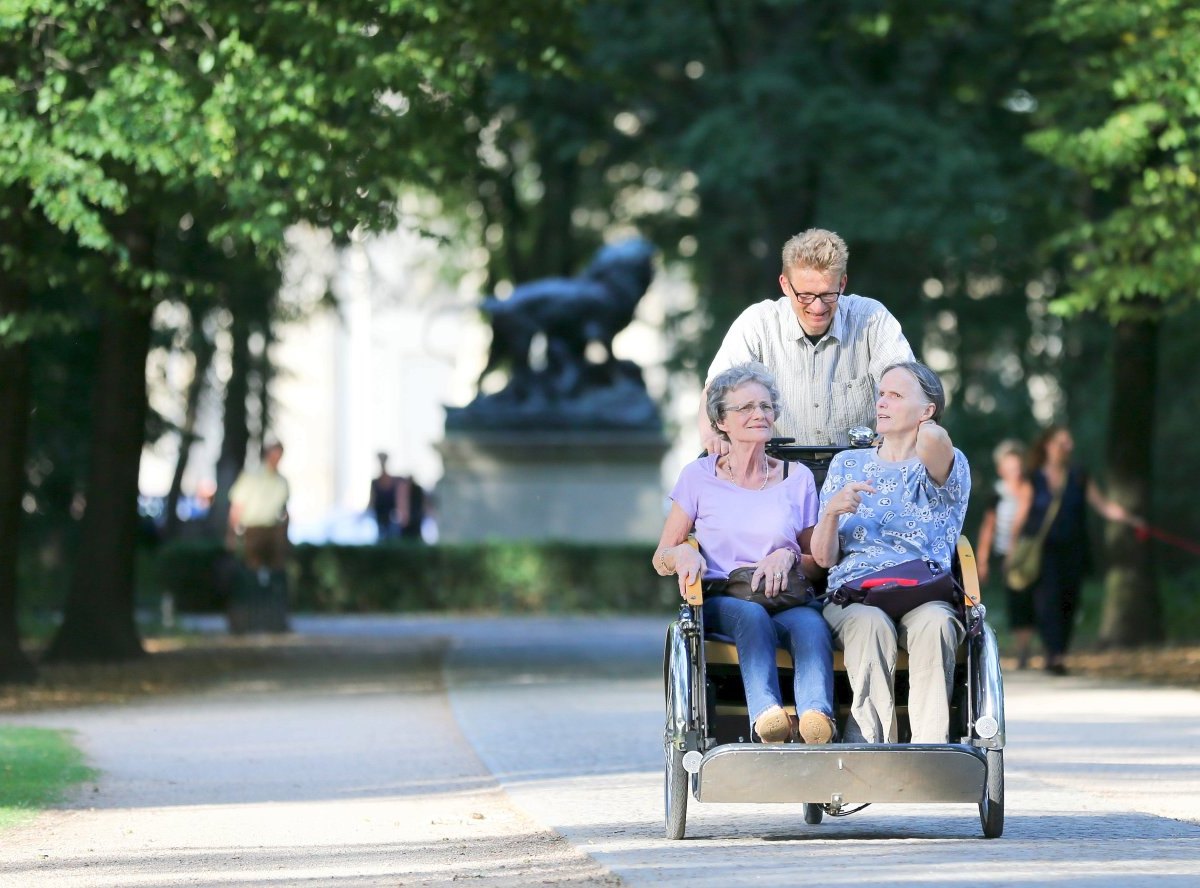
(675,792)
(813,813)
(991,806)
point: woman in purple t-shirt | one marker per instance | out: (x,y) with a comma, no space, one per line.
(748,510)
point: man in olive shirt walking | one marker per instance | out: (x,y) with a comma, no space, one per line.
(258,516)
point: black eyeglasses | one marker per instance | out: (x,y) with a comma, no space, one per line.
(807,298)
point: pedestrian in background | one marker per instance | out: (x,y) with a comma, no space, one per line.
(1052,503)
(996,537)
(389,501)
(258,520)
(258,513)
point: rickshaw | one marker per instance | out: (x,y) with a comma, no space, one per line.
(707,744)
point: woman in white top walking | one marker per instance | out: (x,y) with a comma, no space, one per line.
(996,539)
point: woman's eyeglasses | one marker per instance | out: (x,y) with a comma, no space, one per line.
(767,408)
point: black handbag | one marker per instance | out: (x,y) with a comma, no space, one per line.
(897,590)
(799,590)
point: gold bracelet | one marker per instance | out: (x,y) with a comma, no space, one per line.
(662,559)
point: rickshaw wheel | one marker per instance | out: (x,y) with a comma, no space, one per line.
(813,813)
(991,806)
(675,789)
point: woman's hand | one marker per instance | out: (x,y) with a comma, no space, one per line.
(935,450)
(929,433)
(773,571)
(825,543)
(847,500)
(689,566)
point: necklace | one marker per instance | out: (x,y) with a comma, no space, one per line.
(765,467)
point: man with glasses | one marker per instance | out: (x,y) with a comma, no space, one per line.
(826,348)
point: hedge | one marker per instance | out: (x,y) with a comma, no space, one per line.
(405,577)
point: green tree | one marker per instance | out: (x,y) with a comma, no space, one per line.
(1126,123)
(121,120)
(719,130)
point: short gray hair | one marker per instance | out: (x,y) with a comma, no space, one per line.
(930,383)
(817,249)
(736,376)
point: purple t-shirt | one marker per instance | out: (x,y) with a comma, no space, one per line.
(736,527)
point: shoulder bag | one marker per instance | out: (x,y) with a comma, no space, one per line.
(897,590)
(799,590)
(1024,563)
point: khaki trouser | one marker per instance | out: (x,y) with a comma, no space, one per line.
(869,639)
(266,547)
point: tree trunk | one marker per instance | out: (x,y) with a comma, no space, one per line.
(98,620)
(1132,609)
(235,424)
(14,427)
(202,350)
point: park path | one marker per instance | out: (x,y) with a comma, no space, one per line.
(538,762)
(358,781)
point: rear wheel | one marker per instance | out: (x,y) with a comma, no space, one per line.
(991,806)
(813,813)
(675,791)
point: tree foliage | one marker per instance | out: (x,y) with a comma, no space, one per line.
(1127,123)
(720,130)
(158,151)
(128,125)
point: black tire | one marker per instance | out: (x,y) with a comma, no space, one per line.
(991,806)
(675,792)
(813,813)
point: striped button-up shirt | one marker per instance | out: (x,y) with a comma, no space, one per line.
(827,388)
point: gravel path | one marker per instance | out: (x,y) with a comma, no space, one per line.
(350,779)
(427,751)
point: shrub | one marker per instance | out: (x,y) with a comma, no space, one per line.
(554,577)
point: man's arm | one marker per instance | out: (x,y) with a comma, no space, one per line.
(234,522)
(709,437)
(742,343)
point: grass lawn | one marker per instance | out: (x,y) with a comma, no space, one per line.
(37,766)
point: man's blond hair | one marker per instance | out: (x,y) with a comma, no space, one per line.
(817,249)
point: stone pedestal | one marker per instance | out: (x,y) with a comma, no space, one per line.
(589,486)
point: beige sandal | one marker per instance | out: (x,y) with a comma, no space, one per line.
(773,726)
(816,727)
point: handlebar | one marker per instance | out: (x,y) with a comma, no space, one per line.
(816,456)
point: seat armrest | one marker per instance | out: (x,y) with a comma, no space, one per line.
(970,572)
(694,595)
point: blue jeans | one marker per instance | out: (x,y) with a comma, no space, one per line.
(756,634)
